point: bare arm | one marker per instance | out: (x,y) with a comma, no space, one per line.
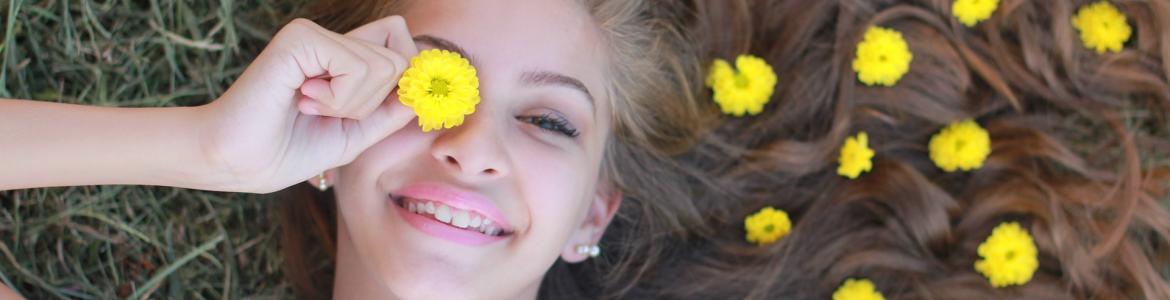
(46,144)
(312,100)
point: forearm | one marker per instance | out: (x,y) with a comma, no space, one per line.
(45,144)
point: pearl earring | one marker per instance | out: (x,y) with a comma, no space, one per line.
(321,185)
(590,250)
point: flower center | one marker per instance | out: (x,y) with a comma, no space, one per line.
(439,87)
(1011,255)
(769,227)
(959,144)
(741,81)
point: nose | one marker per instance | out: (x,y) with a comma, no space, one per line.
(473,150)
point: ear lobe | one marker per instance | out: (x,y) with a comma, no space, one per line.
(602,210)
(330,179)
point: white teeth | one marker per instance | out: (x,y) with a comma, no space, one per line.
(443,213)
(461,218)
(456,217)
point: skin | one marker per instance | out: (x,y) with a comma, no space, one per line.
(546,184)
(317,100)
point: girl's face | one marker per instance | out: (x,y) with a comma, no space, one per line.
(484,209)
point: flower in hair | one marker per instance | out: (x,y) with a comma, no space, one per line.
(962,145)
(882,57)
(855,156)
(766,226)
(971,12)
(441,87)
(1008,257)
(1102,27)
(745,89)
(857,289)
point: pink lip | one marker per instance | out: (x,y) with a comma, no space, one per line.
(456,198)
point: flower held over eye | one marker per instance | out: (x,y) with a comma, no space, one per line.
(971,12)
(767,226)
(961,145)
(882,57)
(1102,27)
(441,87)
(745,90)
(857,289)
(1008,257)
(855,156)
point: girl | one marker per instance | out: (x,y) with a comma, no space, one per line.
(575,96)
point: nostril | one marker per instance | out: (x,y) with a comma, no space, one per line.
(490,171)
(451,160)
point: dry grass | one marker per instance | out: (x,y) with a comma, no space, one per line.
(135,242)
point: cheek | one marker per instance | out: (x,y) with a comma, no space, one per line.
(362,183)
(557,188)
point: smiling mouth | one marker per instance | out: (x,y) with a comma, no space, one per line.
(451,216)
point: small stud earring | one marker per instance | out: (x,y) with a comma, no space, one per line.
(590,250)
(321,185)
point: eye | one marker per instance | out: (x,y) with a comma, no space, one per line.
(552,123)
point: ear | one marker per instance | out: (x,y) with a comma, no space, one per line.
(602,209)
(330,178)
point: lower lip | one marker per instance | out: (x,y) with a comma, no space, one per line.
(441,230)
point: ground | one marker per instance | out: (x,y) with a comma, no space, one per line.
(105,242)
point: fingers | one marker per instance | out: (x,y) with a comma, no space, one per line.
(347,77)
(389,32)
(387,119)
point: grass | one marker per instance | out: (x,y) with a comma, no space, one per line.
(135,242)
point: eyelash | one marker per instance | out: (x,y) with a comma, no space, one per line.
(551,123)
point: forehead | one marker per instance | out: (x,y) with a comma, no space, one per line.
(508,37)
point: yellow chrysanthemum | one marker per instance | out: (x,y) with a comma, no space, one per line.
(855,156)
(1102,27)
(441,87)
(1008,257)
(857,289)
(745,91)
(882,57)
(961,145)
(971,12)
(767,226)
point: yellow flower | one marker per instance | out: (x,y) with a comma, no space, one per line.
(1008,257)
(882,57)
(971,12)
(745,91)
(1102,27)
(441,87)
(855,156)
(962,145)
(857,289)
(767,226)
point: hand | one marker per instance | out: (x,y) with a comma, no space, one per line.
(312,100)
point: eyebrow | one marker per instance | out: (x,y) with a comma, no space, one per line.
(532,78)
(552,78)
(444,44)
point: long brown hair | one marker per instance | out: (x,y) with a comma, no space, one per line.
(1073,135)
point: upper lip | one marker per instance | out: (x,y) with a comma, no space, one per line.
(456,198)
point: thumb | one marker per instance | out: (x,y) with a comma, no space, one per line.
(390,117)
